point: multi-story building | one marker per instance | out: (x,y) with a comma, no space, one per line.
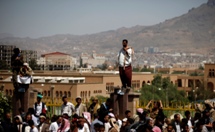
(94,60)
(29,55)
(56,61)
(6,51)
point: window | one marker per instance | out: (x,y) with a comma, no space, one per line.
(57,94)
(49,93)
(45,93)
(109,87)
(135,83)
(69,94)
(89,94)
(61,94)
(179,83)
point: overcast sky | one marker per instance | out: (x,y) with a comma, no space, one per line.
(37,18)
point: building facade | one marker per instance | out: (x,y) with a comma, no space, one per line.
(56,61)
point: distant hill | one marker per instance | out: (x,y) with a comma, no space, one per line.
(193,31)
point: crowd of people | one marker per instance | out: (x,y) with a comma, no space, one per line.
(100,118)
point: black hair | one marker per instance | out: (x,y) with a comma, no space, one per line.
(64,97)
(187,112)
(175,116)
(125,40)
(30,122)
(127,111)
(95,115)
(16,50)
(31,110)
(109,100)
(130,120)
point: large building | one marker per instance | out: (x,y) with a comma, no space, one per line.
(94,60)
(6,51)
(56,61)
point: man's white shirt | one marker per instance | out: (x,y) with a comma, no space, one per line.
(125,59)
(68,108)
(39,108)
(53,127)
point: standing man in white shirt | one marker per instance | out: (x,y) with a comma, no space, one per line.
(39,107)
(67,107)
(125,69)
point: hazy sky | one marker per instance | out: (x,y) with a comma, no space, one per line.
(36,18)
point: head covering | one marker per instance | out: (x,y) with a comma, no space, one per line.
(87,116)
(111,115)
(19,117)
(156,129)
(113,123)
(78,97)
(65,126)
(42,116)
(39,95)
(124,120)
(140,110)
(25,64)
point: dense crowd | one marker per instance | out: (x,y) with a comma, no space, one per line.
(100,118)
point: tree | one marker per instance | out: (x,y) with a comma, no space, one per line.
(162,89)
(5,103)
(33,64)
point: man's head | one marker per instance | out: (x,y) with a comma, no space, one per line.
(64,99)
(177,117)
(129,121)
(42,118)
(59,119)
(102,128)
(18,119)
(31,123)
(95,100)
(187,114)
(28,117)
(81,122)
(78,100)
(7,116)
(96,116)
(106,118)
(128,114)
(108,102)
(65,115)
(16,50)
(124,43)
(169,128)
(39,97)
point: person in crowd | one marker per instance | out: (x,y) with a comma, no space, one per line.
(39,106)
(118,121)
(139,112)
(139,125)
(19,126)
(169,128)
(22,113)
(25,70)
(96,127)
(28,117)
(94,106)
(67,107)
(82,125)
(213,127)
(96,121)
(31,111)
(207,119)
(114,127)
(7,125)
(157,109)
(56,124)
(107,123)
(65,126)
(176,123)
(197,117)
(125,69)
(43,127)
(129,122)
(33,128)
(190,120)
(102,128)
(128,114)
(105,108)
(80,107)
(167,122)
